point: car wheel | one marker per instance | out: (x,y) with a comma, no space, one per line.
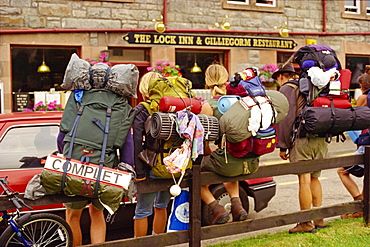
(222,196)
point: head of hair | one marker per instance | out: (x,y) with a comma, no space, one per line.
(364,79)
(144,83)
(216,76)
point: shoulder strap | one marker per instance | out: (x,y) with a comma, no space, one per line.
(301,102)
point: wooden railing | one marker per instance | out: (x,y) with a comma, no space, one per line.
(196,233)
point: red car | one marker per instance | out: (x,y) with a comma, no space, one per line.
(33,134)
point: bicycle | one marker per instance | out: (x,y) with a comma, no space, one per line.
(37,230)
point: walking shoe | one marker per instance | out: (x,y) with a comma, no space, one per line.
(353,215)
(220,216)
(237,210)
(319,224)
(303,227)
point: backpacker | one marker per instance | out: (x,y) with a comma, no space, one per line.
(173,87)
(325,85)
(96,123)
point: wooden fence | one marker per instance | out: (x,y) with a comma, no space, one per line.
(196,233)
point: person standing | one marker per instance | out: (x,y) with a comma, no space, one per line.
(303,148)
(356,170)
(216,77)
(147,201)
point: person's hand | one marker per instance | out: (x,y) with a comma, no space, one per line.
(284,155)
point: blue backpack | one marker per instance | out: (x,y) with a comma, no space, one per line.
(254,87)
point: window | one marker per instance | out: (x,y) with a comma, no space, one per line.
(255,5)
(187,58)
(356,9)
(129,55)
(31,141)
(238,1)
(352,6)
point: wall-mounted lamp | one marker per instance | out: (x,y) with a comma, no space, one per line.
(43,68)
(225,25)
(159,25)
(195,68)
(284,32)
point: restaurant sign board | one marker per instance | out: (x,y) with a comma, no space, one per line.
(208,40)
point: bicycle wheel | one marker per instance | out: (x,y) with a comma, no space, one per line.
(42,229)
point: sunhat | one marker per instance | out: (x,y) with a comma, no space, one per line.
(288,68)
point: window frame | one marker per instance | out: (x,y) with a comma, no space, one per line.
(118,1)
(360,15)
(252,5)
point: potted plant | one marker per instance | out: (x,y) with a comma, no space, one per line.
(165,69)
(265,75)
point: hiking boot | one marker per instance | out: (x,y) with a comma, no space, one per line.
(237,210)
(303,227)
(319,224)
(220,216)
(353,215)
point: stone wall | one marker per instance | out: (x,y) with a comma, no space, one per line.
(301,16)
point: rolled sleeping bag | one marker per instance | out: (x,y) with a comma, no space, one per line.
(327,120)
(226,101)
(174,104)
(163,126)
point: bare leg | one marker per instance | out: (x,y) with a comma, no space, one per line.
(316,191)
(232,188)
(305,194)
(73,217)
(206,195)
(348,182)
(140,227)
(98,226)
(160,220)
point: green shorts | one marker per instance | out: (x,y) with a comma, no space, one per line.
(81,204)
(309,148)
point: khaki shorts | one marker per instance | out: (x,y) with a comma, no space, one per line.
(81,204)
(309,148)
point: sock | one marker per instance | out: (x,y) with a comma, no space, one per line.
(235,200)
(359,197)
(213,204)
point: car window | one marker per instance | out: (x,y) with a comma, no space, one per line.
(30,141)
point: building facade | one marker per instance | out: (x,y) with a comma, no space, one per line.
(235,33)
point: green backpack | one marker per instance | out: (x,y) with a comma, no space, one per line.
(174,87)
(92,117)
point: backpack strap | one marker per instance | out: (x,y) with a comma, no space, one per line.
(72,134)
(301,102)
(104,146)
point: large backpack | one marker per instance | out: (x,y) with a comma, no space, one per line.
(172,87)
(328,111)
(84,123)
(322,78)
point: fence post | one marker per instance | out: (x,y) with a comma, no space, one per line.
(366,185)
(195,205)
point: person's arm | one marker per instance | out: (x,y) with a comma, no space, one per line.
(361,100)
(127,150)
(207,109)
(138,134)
(285,127)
